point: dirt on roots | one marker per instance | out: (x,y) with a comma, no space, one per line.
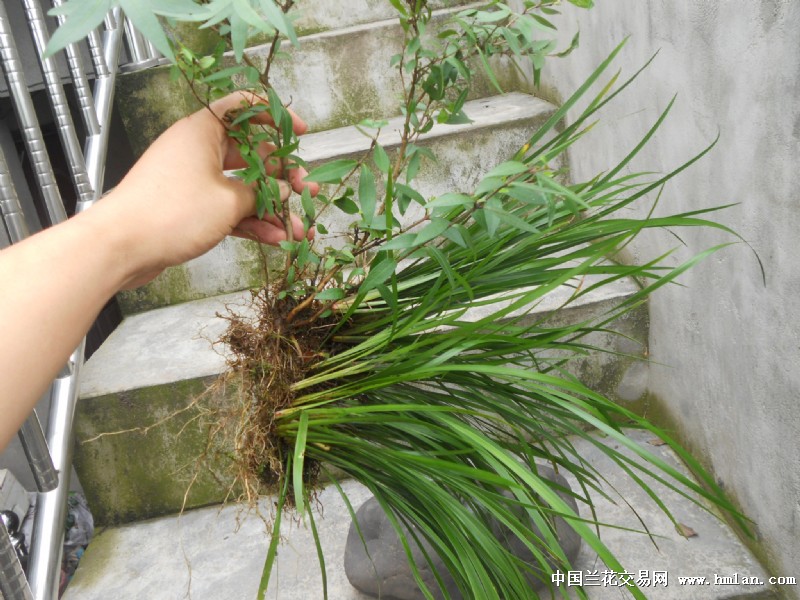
(266,355)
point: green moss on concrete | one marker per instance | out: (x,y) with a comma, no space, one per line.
(141,474)
(173,286)
(508,76)
(356,97)
(624,344)
(247,269)
(257,261)
(199,40)
(358,100)
(548,93)
(93,564)
(604,372)
(149,102)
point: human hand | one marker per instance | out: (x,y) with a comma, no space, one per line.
(176,204)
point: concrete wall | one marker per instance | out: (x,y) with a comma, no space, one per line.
(726,348)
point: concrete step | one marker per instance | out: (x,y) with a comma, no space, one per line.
(215,552)
(315,16)
(156,362)
(501,124)
(333,78)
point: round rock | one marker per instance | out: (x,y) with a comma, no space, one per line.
(378,565)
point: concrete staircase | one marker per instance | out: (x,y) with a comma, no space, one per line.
(136,451)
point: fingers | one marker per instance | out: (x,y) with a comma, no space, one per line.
(233,158)
(250,98)
(270,230)
(296,180)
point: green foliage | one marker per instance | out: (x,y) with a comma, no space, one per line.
(434,411)
(240,17)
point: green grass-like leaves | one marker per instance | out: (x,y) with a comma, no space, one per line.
(439,413)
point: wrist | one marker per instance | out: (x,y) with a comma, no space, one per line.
(112,242)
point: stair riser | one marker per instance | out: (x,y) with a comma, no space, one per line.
(132,476)
(335,80)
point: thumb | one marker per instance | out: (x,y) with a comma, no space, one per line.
(242,196)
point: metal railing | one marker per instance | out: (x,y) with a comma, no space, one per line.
(50,458)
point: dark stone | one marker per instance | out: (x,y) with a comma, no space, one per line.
(388,575)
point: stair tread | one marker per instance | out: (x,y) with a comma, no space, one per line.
(380,19)
(176,343)
(486,112)
(326,15)
(216,554)
(158,347)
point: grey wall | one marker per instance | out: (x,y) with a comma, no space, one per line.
(726,349)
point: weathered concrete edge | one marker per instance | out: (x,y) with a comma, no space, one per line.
(176,343)
(491,112)
(145,470)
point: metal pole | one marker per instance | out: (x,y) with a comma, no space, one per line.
(13,585)
(5,242)
(29,123)
(136,44)
(154,53)
(81,82)
(9,204)
(96,50)
(58,101)
(97,145)
(47,543)
(141,51)
(34,444)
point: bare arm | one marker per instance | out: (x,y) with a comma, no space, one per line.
(174,205)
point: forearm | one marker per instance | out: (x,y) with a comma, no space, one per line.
(174,205)
(53,286)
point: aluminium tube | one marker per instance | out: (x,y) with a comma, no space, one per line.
(97,145)
(37,452)
(29,122)
(47,539)
(96,50)
(81,81)
(139,50)
(13,585)
(4,241)
(10,208)
(58,101)
(136,44)
(154,53)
